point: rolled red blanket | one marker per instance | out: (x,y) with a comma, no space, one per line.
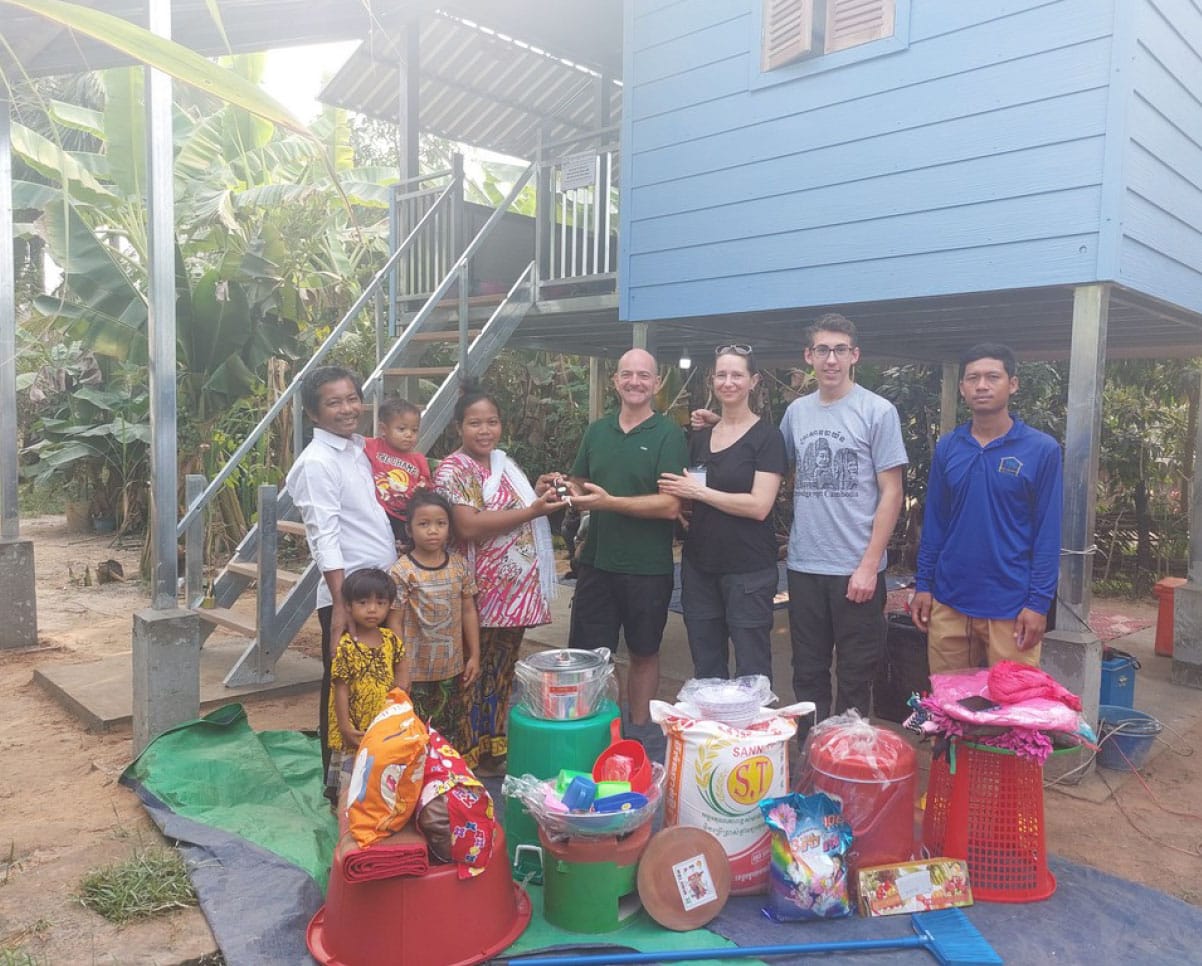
(402,853)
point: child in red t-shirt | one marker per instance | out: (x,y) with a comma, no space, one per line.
(398,469)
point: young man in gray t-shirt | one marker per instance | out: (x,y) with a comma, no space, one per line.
(846,446)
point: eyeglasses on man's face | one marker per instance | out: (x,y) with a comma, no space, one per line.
(735,348)
(840,351)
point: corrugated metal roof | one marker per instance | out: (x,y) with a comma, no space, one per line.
(36,47)
(479,87)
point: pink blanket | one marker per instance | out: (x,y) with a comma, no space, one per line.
(1044,714)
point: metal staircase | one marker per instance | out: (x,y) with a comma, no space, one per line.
(434,251)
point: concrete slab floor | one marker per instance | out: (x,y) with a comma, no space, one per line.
(99,693)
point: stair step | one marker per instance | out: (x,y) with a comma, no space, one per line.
(295,527)
(444,335)
(420,371)
(224,617)
(249,568)
(472,300)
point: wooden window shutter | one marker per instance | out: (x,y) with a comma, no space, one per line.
(853,22)
(788,32)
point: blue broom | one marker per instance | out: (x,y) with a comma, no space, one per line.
(946,934)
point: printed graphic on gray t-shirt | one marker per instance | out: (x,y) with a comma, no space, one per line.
(837,451)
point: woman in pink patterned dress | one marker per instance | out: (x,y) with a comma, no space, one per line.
(504,527)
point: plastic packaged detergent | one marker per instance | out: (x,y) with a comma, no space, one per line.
(810,839)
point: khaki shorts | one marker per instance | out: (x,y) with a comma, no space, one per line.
(956,641)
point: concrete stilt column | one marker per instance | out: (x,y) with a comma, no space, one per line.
(166,675)
(166,640)
(18,595)
(949,397)
(596,388)
(1072,653)
(1187,600)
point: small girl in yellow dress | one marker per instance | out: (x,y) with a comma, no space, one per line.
(368,663)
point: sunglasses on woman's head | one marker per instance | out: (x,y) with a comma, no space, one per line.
(735,348)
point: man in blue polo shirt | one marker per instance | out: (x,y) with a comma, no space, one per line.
(990,550)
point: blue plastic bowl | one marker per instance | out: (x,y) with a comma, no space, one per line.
(1125,737)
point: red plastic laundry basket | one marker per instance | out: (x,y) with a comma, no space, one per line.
(989,812)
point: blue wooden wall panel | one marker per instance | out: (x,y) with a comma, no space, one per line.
(710,82)
(1013,219)
(1044,262)
(1036,79)
(1147,270)
(1037,33)
(934,18)
(1148,176)
(1161,216)
(944,188)
(928,171)
(695,49)
(997,132)
(675,20)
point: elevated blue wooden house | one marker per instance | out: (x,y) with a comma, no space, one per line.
(940,171)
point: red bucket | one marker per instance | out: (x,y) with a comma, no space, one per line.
(400,920)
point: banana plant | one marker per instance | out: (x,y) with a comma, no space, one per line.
(265,252)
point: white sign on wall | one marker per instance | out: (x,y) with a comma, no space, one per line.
(577,171)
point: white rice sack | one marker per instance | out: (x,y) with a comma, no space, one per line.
(717,775)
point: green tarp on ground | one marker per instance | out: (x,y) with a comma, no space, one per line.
(640,932)
(264,786)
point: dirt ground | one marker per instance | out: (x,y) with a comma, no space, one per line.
(63,814)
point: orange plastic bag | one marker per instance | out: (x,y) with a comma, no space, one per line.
(389,769)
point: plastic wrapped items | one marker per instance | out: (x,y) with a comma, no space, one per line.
(564,683)
(810,839)
(872,773)
(540,799)
(734,702)
(455,811)
(717,775)
(389,771)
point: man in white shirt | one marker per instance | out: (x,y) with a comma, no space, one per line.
(331,485)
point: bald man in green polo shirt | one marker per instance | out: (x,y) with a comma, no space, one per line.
(625,573)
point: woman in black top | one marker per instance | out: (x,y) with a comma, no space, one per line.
(728,573)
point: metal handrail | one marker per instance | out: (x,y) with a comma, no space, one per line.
(416,193)
(197,506)
(444,286)
(428,176)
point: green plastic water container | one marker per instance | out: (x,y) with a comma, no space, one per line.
(543,748)
(591,885)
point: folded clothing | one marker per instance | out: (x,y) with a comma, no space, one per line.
(1045,714)
(402,853)
(1011,682)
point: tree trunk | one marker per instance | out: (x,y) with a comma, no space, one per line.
(1143,527)
(1187,451)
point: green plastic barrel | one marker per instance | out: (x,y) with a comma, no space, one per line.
(542,748)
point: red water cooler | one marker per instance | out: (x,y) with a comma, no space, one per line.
(873,773)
